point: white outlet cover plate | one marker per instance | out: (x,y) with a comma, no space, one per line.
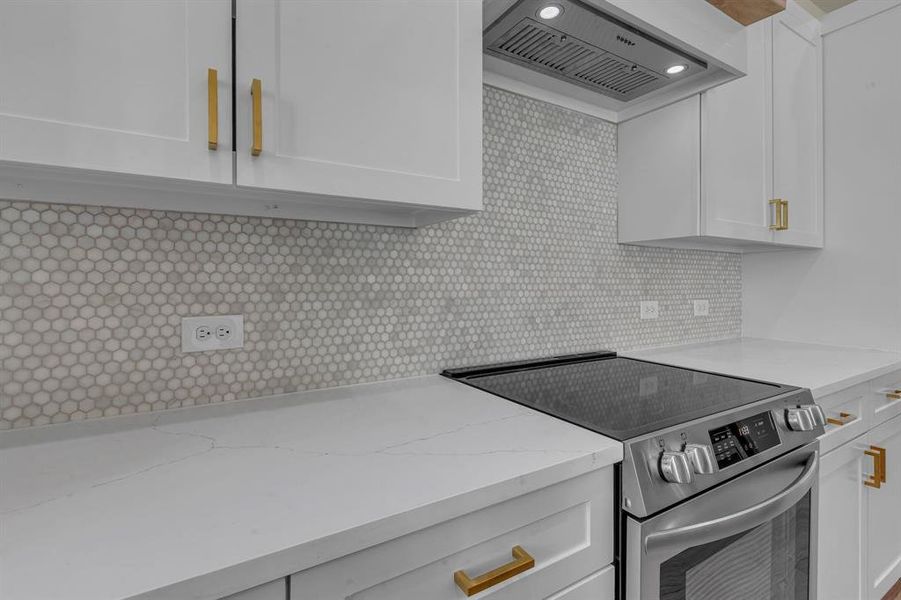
(650,309)
(190,325)
(701,308)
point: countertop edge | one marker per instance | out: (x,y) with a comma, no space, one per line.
(818,391)
(849,382)
(217,584)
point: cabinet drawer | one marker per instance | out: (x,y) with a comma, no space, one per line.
(851,408)
(597,586)
(883,397)
(567,528)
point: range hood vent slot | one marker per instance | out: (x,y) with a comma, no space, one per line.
(592,67)
(587,48)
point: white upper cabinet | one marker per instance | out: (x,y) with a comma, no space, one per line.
(759,155)
(377,100)
(367,111)
(116,86)
(659,163)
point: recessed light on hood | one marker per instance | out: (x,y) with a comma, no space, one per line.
(550,11)
(675,69)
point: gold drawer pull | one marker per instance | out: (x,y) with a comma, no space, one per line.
(256,92)
(784,215)
(843,419)
(212,82)
(521,562)
(896,395)
(879,466)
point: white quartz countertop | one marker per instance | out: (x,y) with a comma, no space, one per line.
(201,503)
(823,369)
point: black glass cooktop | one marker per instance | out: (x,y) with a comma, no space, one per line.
(619,397)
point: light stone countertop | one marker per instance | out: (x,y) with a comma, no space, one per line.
(823,369)
(204,502)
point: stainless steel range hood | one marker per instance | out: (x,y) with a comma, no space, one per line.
(588,48)
(614,59)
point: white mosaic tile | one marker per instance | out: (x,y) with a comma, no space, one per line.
(91,298)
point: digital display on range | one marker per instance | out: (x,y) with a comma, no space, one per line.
(737,441)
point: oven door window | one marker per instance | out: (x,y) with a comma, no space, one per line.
(768,562)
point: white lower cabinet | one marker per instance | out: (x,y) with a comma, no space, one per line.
(884,510)
(848,415)
(597,586)
(886,395)
(566,528)
(842,531)
(859,534)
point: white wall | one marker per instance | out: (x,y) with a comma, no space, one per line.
(850,292)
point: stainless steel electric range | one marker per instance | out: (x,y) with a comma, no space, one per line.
(718,485)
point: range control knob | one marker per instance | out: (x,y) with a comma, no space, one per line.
(799,419)
(674,467)
(701,458)
(819,418)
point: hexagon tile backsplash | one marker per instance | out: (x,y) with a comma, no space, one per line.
(91,298)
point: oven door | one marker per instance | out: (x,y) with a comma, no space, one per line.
(751,538)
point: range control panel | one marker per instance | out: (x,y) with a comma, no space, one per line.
(739,440)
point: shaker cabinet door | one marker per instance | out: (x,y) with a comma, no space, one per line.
(372,99)
(736,149)
(797,129)
(114,86)
(884,510)
(842,529)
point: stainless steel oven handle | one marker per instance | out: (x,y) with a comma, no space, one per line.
(708,531)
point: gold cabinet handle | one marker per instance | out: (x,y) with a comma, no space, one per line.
(842,419)
(780,214)
(521,562)
(256,92)
(777,215)
(880,461)
(212,82)
(883,461)
(874,480)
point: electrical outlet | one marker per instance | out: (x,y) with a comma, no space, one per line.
(212,333)
(701,307)
(650,309)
